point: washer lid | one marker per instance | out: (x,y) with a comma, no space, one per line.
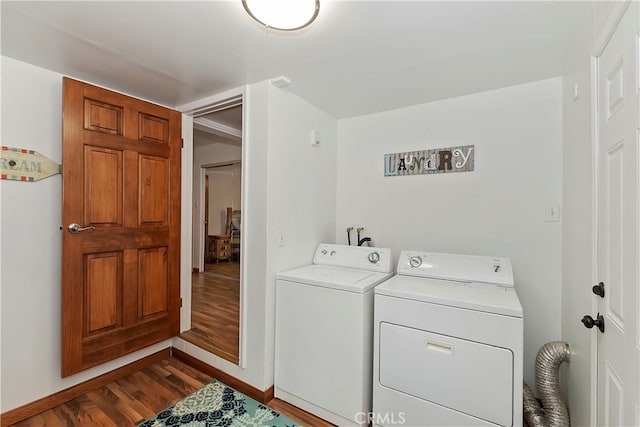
(470,295)
(345,279)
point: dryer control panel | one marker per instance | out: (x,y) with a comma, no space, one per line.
(358,257)
(463,268)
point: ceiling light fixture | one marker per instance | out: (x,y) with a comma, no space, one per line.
(284,15)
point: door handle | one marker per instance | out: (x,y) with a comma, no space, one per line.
(75,228)
(598,289)
(589,322)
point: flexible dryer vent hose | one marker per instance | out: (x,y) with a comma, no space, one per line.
(553,412)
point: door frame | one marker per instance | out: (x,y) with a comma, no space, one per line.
(609,28)
(202,246)
(202,209)
(189,112)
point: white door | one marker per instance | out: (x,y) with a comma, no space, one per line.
(618,224)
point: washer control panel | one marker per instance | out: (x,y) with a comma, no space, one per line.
(359,257)
(374,257)
(415,261)
(462,268)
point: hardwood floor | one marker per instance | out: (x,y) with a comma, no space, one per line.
(138,396)
(126,401)
(215,310)
(297,414)
(227,269)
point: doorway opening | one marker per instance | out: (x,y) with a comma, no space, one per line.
(216,287)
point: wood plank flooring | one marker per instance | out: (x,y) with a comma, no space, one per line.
(126,401)
(215,310)
(138,396)
(228,269)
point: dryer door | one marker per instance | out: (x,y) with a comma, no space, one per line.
(466,376)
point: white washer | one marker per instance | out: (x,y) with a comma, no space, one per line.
(448,343)
(324,332)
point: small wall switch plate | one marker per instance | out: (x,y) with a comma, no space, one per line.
(315,138)
(280,238)
(552,213)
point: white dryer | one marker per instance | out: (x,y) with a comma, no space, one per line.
(448,343)
(324,332)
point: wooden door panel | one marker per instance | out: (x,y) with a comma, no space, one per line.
(153,282)
(103,347)
(154,190)
(102,290)
(153,129)
(103,186)
(121,174)
(109,239)
(103,117)
(115,142)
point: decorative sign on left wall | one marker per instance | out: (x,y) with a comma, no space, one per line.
(20,164)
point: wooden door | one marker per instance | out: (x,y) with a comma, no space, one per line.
(206,221)
(618,244)
(121,179)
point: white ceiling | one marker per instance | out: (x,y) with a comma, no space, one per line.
(359,57)
(231,168)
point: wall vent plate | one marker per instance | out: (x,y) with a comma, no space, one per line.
(281,81)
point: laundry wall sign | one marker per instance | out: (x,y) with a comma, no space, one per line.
(20,164)
(437,160)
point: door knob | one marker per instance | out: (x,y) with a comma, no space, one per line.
(75,228)
(598,289)
(589,322)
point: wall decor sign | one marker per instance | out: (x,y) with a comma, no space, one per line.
(19,164)
(437,160)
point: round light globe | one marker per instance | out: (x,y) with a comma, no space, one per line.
(286,15)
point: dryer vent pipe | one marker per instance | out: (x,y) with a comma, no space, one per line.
(553,412)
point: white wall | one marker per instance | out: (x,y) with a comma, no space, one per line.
(498,209)
(301,193)
(577,237)
(224,192)
(30,262)
(206,155)
(578,243)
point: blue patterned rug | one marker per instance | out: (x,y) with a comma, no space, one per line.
(217,404)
